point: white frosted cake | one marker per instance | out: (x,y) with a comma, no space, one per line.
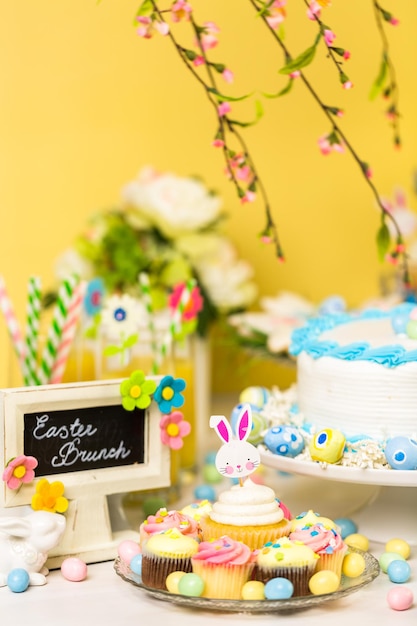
(357,374)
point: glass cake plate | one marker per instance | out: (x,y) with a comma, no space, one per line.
(347,586)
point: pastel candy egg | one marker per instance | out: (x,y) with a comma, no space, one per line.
(327,445)
(258,396)
(191,585)
(358,541)
(74,569)
(386,558)
(353,565)
(253,590)
(278,589)
(411,329)
(399,546)
(18,580)
(136,564)
(399,322)
(172,581)
(205,492)
(259,423)
(127,549)
(398,571)
(401,453)
(346,526)
(324,581)
(400,598)
(413,313)
(284,440)
(332,305)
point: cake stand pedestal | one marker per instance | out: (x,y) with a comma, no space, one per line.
(381,502)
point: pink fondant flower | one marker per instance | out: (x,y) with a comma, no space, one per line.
(19,470)
(173,429)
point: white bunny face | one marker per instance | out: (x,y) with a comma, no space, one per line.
(236,458)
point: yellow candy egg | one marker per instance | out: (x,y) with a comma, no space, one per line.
(353,565)
(173,580)
(327,446)
(399,546)
(323,582)
(358,541)
(253,590)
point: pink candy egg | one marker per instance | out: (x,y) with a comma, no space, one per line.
(74,569)
(400,598)
(127,549)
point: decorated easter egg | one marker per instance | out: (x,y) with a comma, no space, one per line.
(327,445)
(401,453)
(259,423)
(257,396)
(284,440)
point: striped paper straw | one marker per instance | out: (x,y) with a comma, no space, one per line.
(175,324)
(68,333)
(33,311)
(146,294)
(54,336)
(12,323)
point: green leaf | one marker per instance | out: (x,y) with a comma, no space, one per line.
(283,91)
(303,59)
(222,98)
(383,240)
(259,111)
(112,350)
(130,341)
(145,8)
(378,84)
(219,67)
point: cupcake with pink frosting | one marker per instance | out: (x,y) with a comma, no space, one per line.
(225,565)
(164,520)
(327,543)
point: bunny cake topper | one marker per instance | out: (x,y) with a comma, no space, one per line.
(237,458)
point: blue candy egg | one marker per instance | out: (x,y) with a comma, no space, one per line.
(205,492)
(399,322)
(399,571)
(278,589)
(332,305)
(284,440)
(259,423)
(401,453)
(347,526)
(257,396)
(136,564)
(18,580)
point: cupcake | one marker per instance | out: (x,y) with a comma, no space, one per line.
(164,553)
(249,513)
(164,520)
(197,510)
(310,518)
(326,543)
(225,565)
(286,559)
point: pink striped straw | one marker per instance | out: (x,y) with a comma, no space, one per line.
(12,323)
(68,333)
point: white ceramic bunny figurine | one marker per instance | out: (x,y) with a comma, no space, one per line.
(237,458)
(26,541)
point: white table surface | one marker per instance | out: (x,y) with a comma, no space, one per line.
(105,599)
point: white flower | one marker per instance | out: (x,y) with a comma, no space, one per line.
(176,205)
(70,262)
(227,278)
(120,316)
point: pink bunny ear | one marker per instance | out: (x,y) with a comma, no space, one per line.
(244,423)
(222,427)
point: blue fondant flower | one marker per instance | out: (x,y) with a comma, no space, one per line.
(168,393)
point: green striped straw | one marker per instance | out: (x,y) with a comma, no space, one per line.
(33,311)
(54,336)
(146,294)
(175,324)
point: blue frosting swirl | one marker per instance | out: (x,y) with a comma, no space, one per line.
(307,339)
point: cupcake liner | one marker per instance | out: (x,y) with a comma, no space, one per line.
(332,562)
(299,576)
(155,569)
(255,537)
(223,582)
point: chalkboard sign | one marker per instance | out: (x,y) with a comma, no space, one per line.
(84,438)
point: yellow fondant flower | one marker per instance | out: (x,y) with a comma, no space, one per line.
(49,497)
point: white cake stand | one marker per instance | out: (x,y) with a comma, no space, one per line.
(381,502)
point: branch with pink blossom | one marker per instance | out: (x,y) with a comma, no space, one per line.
(240,167)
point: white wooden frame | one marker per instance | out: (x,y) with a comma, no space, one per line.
(88,534)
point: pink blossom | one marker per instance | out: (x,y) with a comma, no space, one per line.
(329,37)
(209,36)
(314,10)
(295,74)
(228,75)
(243,173)
(180,10)
(148,25)
(199,60)
(276,14)
(173,429)
(346,55)
(348,84)
(218,143)
(394,21)
(224,108)
(328,145)
(250,196)
(19,470)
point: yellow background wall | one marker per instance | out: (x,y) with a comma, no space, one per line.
(85,104)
